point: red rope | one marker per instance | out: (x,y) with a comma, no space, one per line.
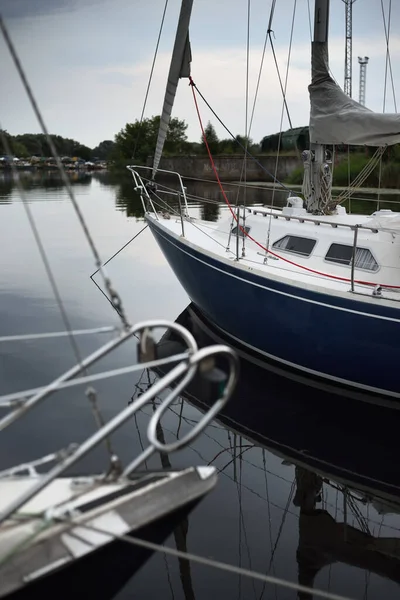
(290,262)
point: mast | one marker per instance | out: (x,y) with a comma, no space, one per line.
(321,21)
(317,180)
(179,67)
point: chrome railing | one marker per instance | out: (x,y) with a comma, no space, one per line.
(189,362)
(301,219)
(140,186)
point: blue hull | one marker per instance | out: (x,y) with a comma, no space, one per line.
(342,339)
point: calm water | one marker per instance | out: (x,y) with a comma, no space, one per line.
(265,513)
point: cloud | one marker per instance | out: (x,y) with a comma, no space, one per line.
(220,75)
(90,72)
(23,9)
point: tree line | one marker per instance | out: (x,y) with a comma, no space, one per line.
(35,144)
(135,142)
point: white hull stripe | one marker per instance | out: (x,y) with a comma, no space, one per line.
(275,291)
(288,363)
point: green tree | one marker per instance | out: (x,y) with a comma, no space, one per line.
(137,140)
(237,144)
(104,150)
(228,146)
(241,141)
(36,145)
(17,149)
(212,140)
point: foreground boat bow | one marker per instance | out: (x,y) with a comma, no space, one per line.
(73,533)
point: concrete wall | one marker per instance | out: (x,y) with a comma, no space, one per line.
(230,167)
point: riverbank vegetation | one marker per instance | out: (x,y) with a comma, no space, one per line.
(135,143)
(28,145)
(348,166)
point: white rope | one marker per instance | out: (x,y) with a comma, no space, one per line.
(363,175)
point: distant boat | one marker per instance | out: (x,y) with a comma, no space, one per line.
(307,286)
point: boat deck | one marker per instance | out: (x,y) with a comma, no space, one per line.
(211,240)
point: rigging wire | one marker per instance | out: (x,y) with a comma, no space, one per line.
(281,121)
(42,250)
(246,118)
(242,526)
(258,187)
(284,515)
(258,81)
(209,562)
(263,247)
(269,32)
(272,565)
(327,464)
(362,176)
(243,171)
(282,185)
(150,79)
(114,297)
(388,62)
(246,121)
(239,487)
(280,81)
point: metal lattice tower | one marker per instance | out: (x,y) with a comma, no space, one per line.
(363,78)
(349,47)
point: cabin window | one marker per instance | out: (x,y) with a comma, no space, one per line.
(241,234)
(343,254)
(295,244)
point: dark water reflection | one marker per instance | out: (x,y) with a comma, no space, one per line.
(309,485)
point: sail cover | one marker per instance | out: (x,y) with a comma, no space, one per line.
(180,67)
(337,119)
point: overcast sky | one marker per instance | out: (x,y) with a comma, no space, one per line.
(89,61)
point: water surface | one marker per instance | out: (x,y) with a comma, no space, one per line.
(265,513)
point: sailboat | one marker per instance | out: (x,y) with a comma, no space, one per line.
(307,286)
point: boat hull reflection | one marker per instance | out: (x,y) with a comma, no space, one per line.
(353,442)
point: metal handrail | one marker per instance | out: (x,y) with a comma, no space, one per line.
(132,169)
(318,221)
(353,260)
(140,187)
